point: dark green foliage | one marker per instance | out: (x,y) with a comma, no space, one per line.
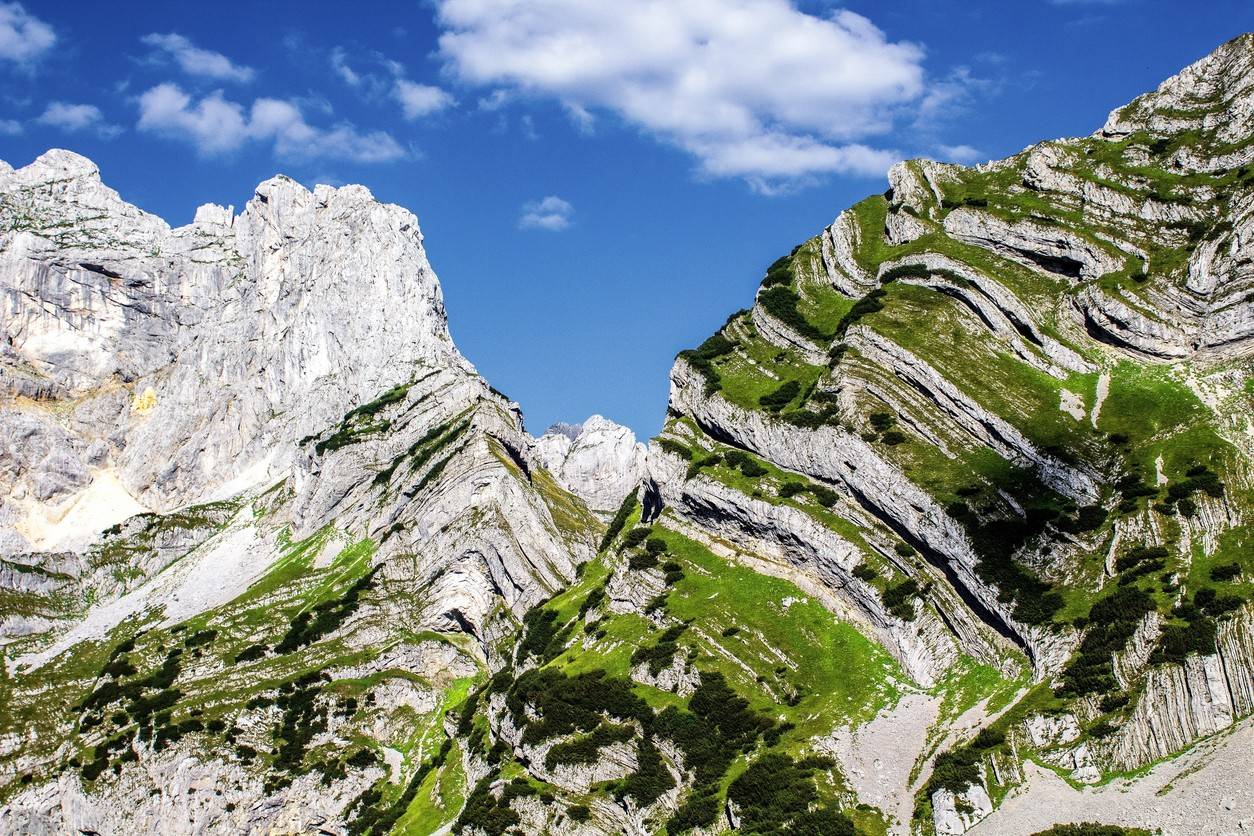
(780,272)
(579,812)
(421,451)
(655,546)
(359,423)
(1089,828)
(641,560)
(781,397)
(899,598)
(370,817)
(881,421)
(864,573)
(893,437)
(904,549)
(594,599)
(988,738)
(903,271)
(1112,621)
(1139,554)
(566,704)
(200,637)
(1114,702)
(304,717)
(868,304)
(251,653)
(717,726)
(118,667)
(781,303)
(701,462)
(959,768)
(744,463)
(776,794)
(672,446)
(1197,478)
(651,778)
(630,503)
(1225,572)
(541,635)
(660,655)
(1087,518)
(1178,642)
(702,359)
(312,625)
(825,496)
(585,748)
(674,573)
(635,537)
(728,632)
(791,489)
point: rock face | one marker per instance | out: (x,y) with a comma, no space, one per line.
(598,461)
(266,408)
(251,332)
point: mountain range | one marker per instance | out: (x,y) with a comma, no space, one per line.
(948,532)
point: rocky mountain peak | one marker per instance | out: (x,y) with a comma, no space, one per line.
(1213,98)
(599,460)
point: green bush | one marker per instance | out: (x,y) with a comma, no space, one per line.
(625,510)
(781,303)
(781,396)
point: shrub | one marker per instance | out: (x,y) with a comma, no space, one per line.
(651,778)
(781,303)
(744,463)
(702,462)
(672,446)
(1225,572)
(635,537)
(629,505)
(791,489)
(781,397)
(899,598)
(864,573)
(893,437)
(251,653)
(776,794)
(702,360)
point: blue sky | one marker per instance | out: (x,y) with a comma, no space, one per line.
(600,184)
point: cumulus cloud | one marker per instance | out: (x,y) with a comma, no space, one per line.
(419,99)
(388,80)
(23,37)
(959,153)
(10,127)
(758,89)
(78,117)
(216,125)
(193,60)
(551,213)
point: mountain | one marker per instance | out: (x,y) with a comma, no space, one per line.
(948,532)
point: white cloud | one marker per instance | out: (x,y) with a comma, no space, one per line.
(216,125)
(78,117)
(551,213)
(419,99)
(733,84)
(10,127)
(339,63)
(196,61)
(960,153)
(23,37)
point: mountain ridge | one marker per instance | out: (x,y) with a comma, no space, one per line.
(875,577)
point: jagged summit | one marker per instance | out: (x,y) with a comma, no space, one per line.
(1211,98)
